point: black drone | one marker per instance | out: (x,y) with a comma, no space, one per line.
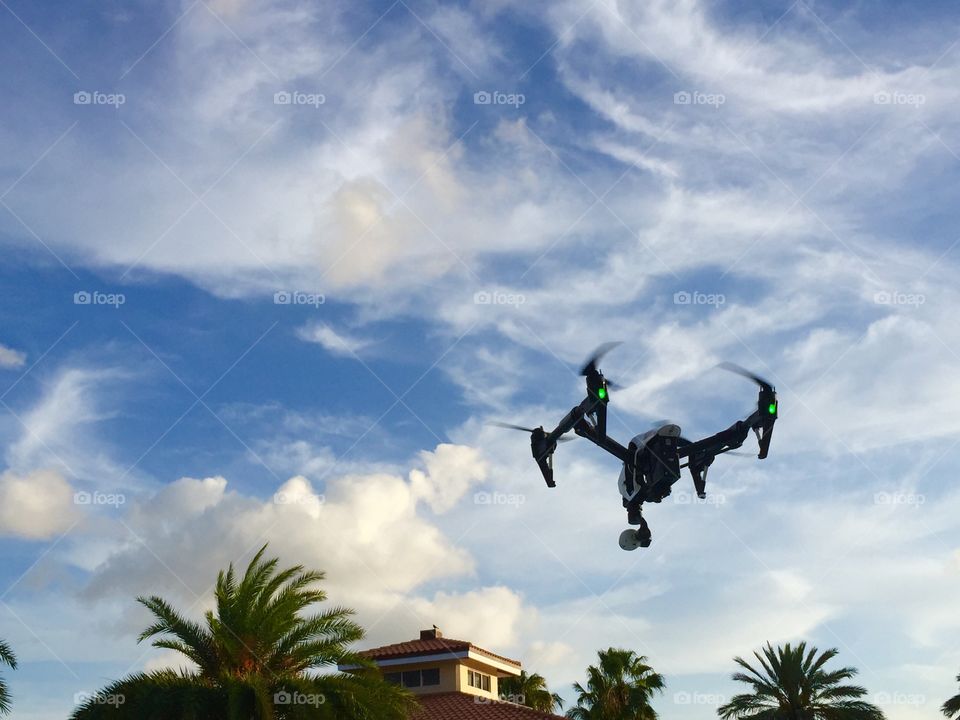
(651,462)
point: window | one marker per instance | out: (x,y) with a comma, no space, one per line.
(411,678)
(430,676)
(414,678)
(478,680)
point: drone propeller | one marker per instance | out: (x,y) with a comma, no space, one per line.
(743,372)
(767,407)
(509,426)
(591,366)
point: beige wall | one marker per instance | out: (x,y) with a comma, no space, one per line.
(464,687)
(448,675)
(453,676)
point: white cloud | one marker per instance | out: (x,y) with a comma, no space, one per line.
(451,471)
(334,342)
(36,506)
(11,359)
(60,429)
(366,531)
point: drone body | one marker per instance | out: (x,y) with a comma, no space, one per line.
(651,460)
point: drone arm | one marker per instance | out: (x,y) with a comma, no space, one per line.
(584,430)
(573,418)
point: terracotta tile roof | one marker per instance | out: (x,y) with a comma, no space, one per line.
(460,706)
(430,646)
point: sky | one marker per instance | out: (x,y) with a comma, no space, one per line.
(271,268)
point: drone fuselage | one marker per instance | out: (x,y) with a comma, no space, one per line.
(651,460)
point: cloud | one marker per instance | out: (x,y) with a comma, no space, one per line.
(451,471)
(336,343)
(60,429)
(36,506)
(11,359)
(367,532)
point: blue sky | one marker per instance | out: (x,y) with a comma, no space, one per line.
(789,166)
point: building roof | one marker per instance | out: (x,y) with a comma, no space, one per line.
(430,646)
(460,706)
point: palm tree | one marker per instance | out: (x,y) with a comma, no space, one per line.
(951,707)
(255,658)
(793,685)
(6,658)
(530,690)
(619,688)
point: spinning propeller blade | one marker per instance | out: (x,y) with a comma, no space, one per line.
(591,365)
(508,426)
(736,369)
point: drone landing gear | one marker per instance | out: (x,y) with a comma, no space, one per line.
(632,539)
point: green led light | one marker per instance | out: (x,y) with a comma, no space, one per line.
(602,393)
(772,409)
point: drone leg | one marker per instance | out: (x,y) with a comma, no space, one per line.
(644,536)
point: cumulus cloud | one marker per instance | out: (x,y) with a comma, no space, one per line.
(367,532)
(37,505)
(451,470)
(11,359)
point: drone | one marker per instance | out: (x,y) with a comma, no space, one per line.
(652,460)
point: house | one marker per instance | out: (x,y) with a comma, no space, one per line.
(452,679)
